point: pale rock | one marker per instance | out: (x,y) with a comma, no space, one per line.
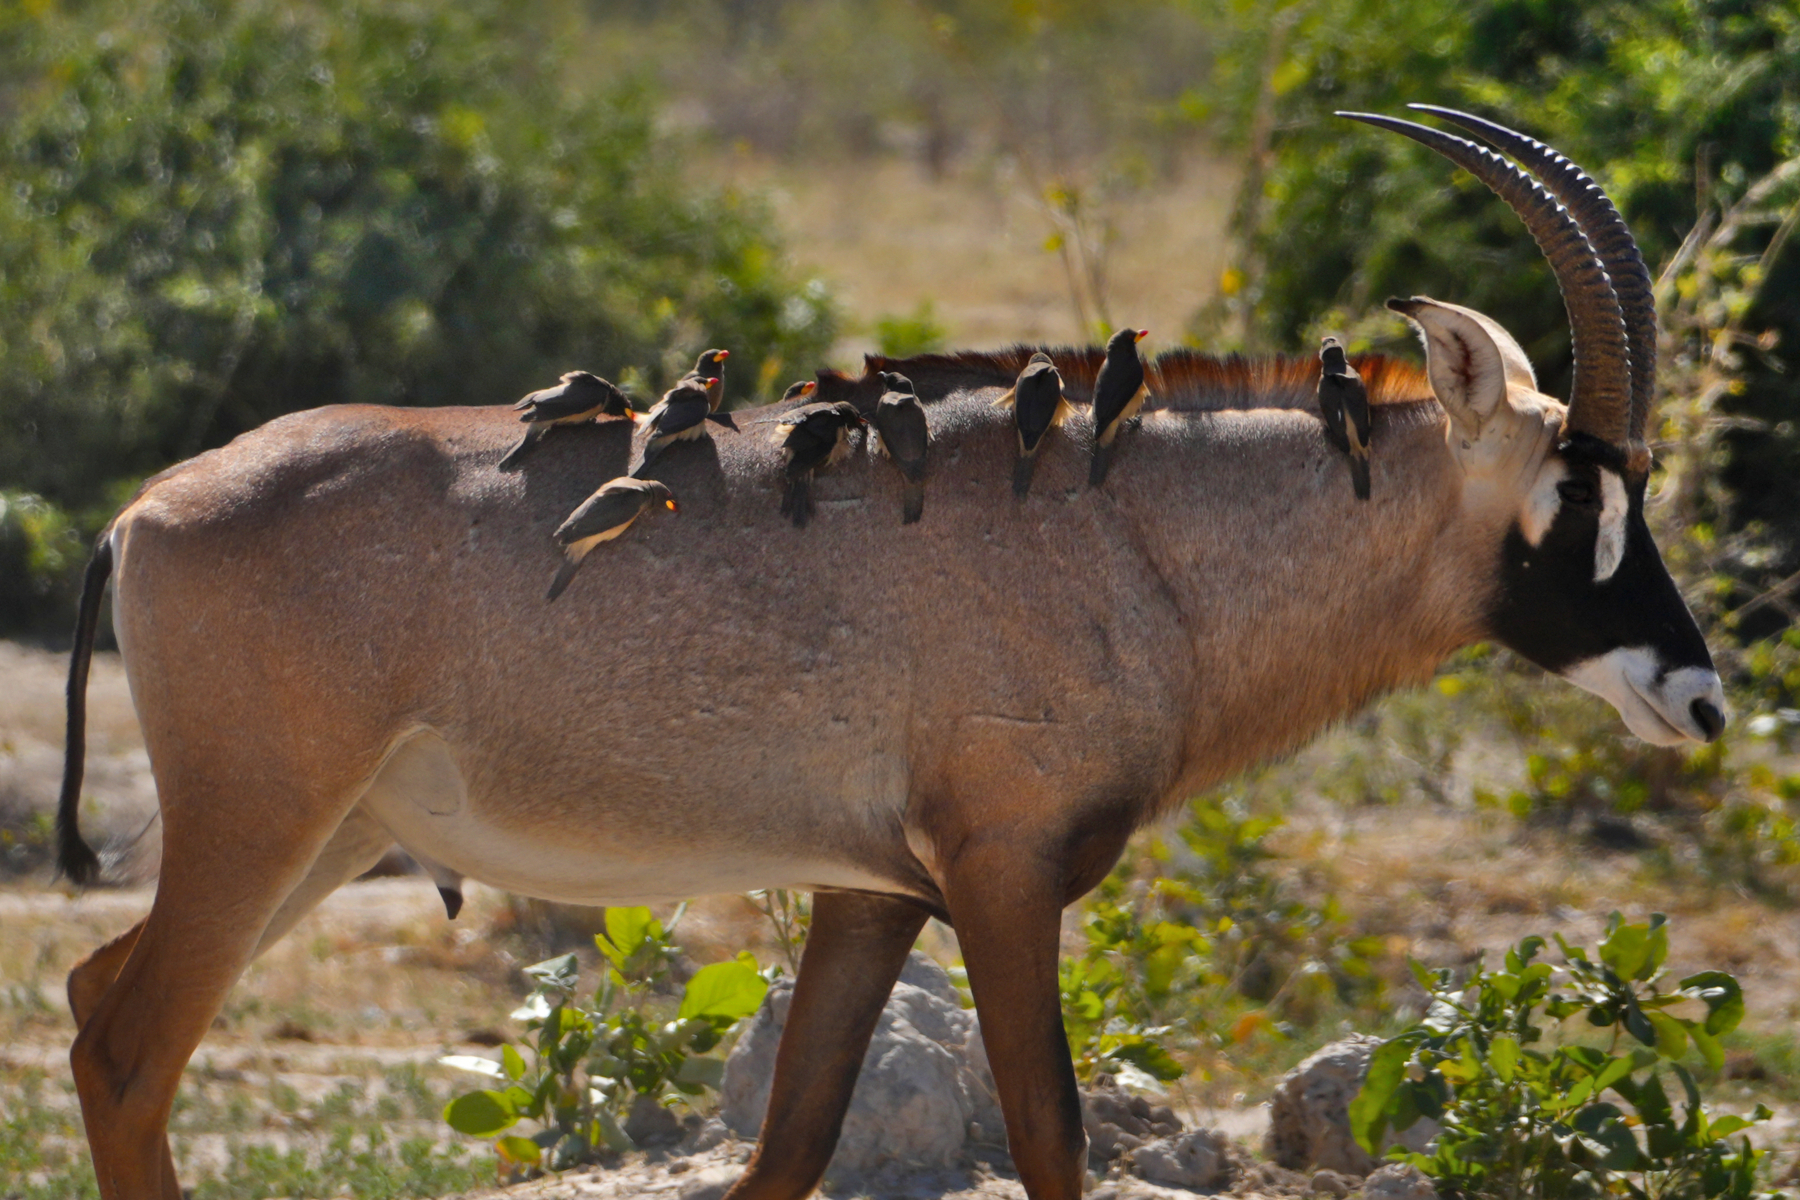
(1398,1181)
(1309,1119)
(1199,1160)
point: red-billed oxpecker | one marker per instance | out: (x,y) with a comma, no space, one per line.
(814,436)
(602,517)
(678,417)
(1344,403)
(577,399)
(1119,393)
(1038,405)
(901,435)
(709,369)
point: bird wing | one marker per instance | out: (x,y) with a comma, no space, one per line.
(903,431)
(1039,400)
(675,416)
(606,510)
(1118,381)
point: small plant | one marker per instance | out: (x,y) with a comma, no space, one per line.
(789,915)
(1521,1117)
(590,1064)
(904,335)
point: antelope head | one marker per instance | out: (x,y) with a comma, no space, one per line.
(1583,590)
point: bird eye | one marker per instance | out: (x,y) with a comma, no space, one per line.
(1577,491)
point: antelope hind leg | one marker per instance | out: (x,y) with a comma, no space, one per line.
(1006,903)
(853,955)
(357,845)
(214,899)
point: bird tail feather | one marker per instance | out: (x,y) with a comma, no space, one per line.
(912,501)
(1359,476)
(1023,468)
(519,451)
(1098,466)
(564,573)
(796,502)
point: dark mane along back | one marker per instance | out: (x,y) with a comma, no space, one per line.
(1181,380)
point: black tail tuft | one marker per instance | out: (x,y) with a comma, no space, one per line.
(564,573)
(519,451)
(1359,476)
(74,857)
(912,501)
(1098,466)
(1023,469)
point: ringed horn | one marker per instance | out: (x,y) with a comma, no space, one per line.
(1605,284)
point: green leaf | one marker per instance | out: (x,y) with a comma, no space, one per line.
(558,972)
(627,929)
(480,1114)
(1709,1047)
(723,992)
(512,1062)
(1503,1056)
(1369,1108)
(1723,997)
(1626,948)
(1671,1038)
(520,1150)
(1150,1058)
(609,1133)
(707,1072)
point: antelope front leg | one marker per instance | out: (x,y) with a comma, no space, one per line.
(1006,903)
(853,955)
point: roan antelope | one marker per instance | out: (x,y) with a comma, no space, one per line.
(336,641)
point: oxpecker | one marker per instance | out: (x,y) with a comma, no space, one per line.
(1037,404)
(813,436)
(1119,393)
(901,435)
(710,367)
(1344,404)
(680,415)
(602,517)
(578,398)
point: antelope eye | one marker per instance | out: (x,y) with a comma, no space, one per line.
(1576,491)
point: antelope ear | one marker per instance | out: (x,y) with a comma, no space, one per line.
(1471,360)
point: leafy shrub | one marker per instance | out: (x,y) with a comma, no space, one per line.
(1523,1102)
(590,1063)
(218,211)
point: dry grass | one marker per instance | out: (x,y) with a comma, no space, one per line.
(887,236)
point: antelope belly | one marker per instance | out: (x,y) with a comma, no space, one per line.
(421,798)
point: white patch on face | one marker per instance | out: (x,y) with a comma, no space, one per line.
(1542,505)
(1609,547)
(1656,710)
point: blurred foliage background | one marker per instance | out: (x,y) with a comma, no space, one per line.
(216,211)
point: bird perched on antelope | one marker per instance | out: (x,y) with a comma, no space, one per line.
(577,399)
(814,436)
(1119,393)
(679,416)
(602,517)
(902,436)
(1038,405)
(710,367)
(1344,404)
(799,390)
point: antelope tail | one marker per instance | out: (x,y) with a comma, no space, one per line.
(74,857)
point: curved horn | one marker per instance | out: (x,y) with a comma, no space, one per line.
(1600,400)
(1606,231)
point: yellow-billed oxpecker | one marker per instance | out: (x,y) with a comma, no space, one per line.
(901,435)
(710,367)
(1037,404)
(1119,393)
(1344,404)
(813,436)
(679,416)
(602,517)
(577,399)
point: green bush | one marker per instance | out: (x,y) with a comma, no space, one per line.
(1522,1098)
(590,1063)
(217,211)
